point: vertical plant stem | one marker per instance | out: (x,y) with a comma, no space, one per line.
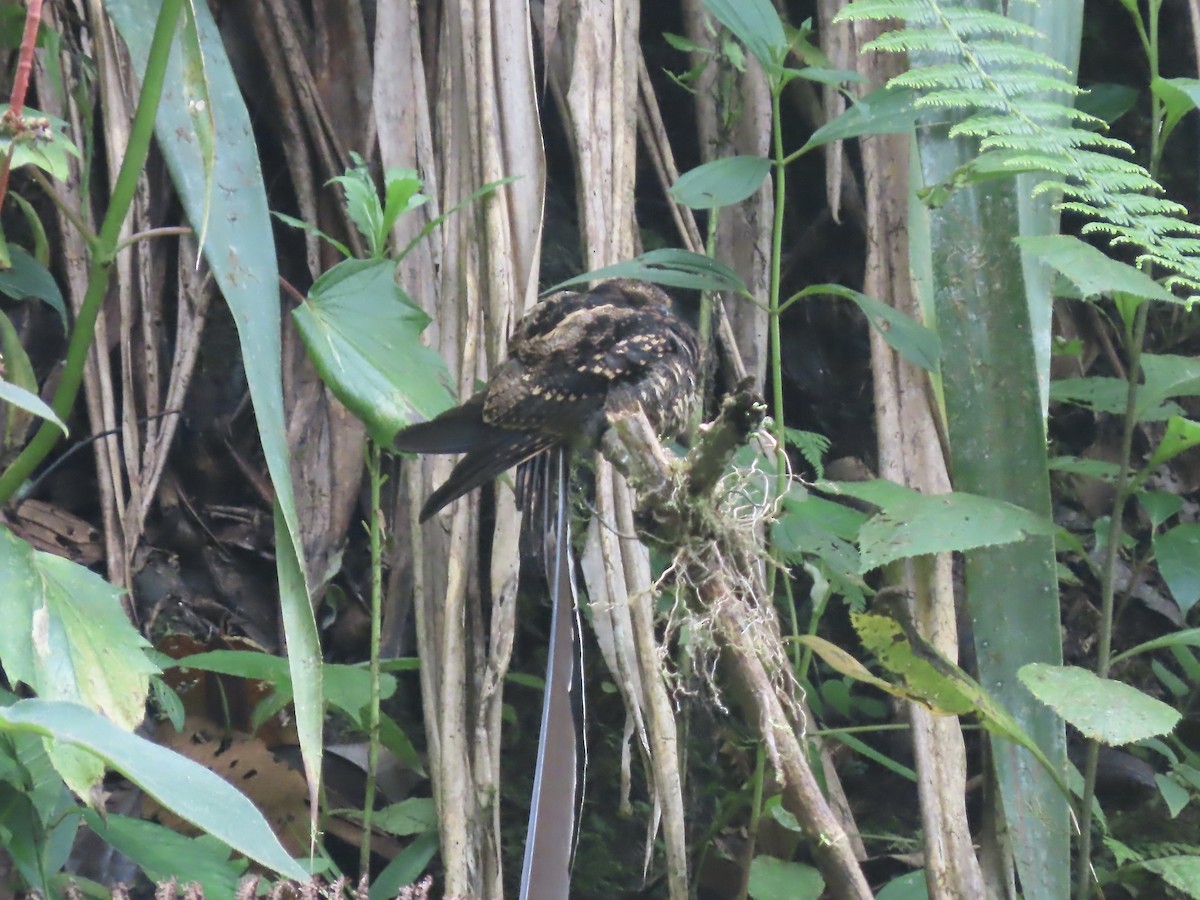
(375,529)
(1125,481)
(123,191)
(760,774)
(780,174)
(16,104)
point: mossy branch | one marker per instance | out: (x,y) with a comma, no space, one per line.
(679,506)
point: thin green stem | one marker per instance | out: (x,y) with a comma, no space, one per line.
(775,342)
(861,729)
(69,212)
(140,134)
(760,774)
(375,528)
(1127,483)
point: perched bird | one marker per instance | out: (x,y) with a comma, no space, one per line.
(571,360)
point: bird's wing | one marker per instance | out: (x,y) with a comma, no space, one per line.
(456,430)
(483,462)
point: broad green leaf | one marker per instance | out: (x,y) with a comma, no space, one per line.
(1104,710)
(362,205)
(1178,555)
(721,182)
(757,25)
(29,402)
(186,788)
(886,110)
(777,879)
(670,267)
(1181,434)
(1175,795)
(1159,505)
(912,340)
(241,255)
(162,853)
(1099,469)
(775,809)
(937,682)
(828,76)
(844,662)
(346,687)
(1189,637)
(363,335)
(1109,395)
(817,528)
(925,678)
(66,635)
(1179,96)
(1180,872)
(19,387)
(402,190)
(912,524)
(198,103)
(39,817)
(1166,376)
(1093,272)
(1107,101)
(907,887)
(415,815)
(405,868)
(29,279)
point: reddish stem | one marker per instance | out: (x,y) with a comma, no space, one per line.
(33,19)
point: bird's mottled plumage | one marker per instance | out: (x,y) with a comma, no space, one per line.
(572,359)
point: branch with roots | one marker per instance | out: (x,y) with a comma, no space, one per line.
(719,559)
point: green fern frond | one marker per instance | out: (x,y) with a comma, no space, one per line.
(1016,104)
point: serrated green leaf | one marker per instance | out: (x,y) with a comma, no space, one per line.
(913,524)
(363,335)
(1180,872)
(415,815)
(1091,271)
(1104,710)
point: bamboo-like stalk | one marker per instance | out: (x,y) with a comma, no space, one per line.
(910,453)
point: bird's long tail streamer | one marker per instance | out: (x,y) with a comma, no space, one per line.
(554,812)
